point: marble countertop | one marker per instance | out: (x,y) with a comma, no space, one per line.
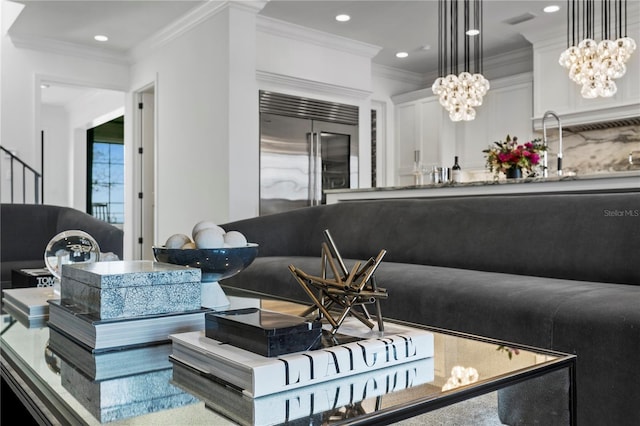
(596,182)
(503,181)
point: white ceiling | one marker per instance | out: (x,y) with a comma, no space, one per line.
(393,25)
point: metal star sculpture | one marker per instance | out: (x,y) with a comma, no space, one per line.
(346,290)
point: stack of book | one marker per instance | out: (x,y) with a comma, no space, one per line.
(252,388)
(114,385)
(121,304)
(110,329)
(313,402)
(28,305)
(31,277)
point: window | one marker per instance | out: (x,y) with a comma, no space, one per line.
(105,172)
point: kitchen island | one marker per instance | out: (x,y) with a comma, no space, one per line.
(613,182)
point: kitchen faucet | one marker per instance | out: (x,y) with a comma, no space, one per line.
(551,114)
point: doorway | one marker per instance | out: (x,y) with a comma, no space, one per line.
(105,171)
(65,111)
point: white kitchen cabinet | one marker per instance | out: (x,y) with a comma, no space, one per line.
(423,124)
(506,110)
(420,126)
(407,141)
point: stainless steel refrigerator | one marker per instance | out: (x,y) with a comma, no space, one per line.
(301,157)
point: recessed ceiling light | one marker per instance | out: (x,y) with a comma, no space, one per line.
(472,32)
(551,9)
(100,37)
(44,85)
(402,55)
(343,18)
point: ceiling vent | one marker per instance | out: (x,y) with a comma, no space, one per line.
(520,19)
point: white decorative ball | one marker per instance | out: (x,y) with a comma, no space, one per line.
(209,238)
(176,241)
(235,239)
(206,224)
(189,245)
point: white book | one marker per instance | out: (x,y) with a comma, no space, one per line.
(29,305)
(257,375)
(118,333)
(31,301)
(308,401)
(29,321)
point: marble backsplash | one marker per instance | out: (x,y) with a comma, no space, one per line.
(602,151)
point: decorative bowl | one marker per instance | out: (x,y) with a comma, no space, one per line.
(216,263)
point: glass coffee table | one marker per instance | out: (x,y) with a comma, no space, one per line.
(57,389)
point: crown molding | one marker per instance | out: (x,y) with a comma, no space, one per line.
(498,83)
(172,31)
(514,62)
(383,71)
(188,22)
(266,78)
(70,49)
(300,33)
(558,36)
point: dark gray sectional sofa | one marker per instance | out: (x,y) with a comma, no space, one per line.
(26,229)
(556,271)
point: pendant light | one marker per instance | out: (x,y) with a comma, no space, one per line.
(460,93)
(595,65)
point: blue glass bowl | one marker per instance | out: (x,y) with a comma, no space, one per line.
(216,264)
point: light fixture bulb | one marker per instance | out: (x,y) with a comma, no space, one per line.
(402,55)
(595,65)
(343,17)
(101,37)
(460,93)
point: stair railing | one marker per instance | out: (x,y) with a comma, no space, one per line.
(25,167)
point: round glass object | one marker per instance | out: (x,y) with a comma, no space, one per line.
(70,247)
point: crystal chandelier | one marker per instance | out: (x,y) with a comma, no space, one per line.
(595,65)
(460,93)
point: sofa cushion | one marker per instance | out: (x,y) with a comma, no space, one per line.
(570,236)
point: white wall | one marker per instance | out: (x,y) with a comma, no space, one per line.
(55,124)
(303,62)
(207,122)
(94,109)
(387,83)
(207,157)
(22,71)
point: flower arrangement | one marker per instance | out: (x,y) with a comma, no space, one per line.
(502,156)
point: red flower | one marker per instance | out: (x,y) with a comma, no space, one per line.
(509,154)
(535,158)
